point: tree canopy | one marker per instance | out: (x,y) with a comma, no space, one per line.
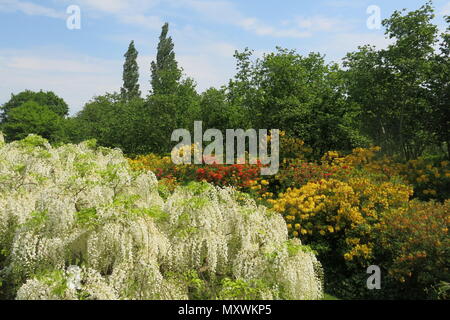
(396,97)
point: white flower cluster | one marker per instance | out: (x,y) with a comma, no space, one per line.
(77,223)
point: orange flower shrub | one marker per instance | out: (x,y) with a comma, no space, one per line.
(416,243)
(354,210)
(241,176)
(296,173)
(244,177)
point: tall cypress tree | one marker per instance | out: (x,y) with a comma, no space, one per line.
(130,87)
(165,72)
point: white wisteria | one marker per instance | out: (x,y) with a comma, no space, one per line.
(77,223)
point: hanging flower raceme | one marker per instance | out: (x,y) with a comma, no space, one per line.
(76,222)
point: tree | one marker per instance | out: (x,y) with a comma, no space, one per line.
(439,88)
(49,99)
(173,103)
(165,72)
(115,123)
(392,85)
(168,112)
(303,96)
(130,87)
(218,113)
(98,121)
(33,118)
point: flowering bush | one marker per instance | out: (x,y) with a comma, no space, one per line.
(331,212)
(430,179)
(77,223)
(355,211)
(243,177)
(415,246)
(293,148)
(296,173)
(163,168)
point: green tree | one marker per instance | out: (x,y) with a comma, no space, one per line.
(303,96)
(130,89)
(439,89)
(165,73)
(168,112)
(49,99)
(115,123)
(218,113)
(392,85)
(173,103)
(97,120)
(33,118)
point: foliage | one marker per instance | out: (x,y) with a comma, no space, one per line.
(77,223)
(300,95)
(362,216)
(342,213)
(216,111)
(48,99)
(293,148)
(98,119)
(165,71)
(392,85)
(243,177)
(83,222)
(430,178)
(297,172)
(130,89)
(414,245)
(33,118)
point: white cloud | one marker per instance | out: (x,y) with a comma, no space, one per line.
(148,22)
(46,64)
(74,77)
(339,44)
(30,9)
(320,23)
(345,4)
(117,7)
(77,78)
(258,27)
(226,12)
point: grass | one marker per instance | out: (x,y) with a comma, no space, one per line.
(329,297)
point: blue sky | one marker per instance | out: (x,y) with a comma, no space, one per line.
(38,51)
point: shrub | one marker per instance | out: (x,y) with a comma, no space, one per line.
(241,176)
(296,173)
(78,223)
(338,220)
(340,212)
(430,179)
(414,245)
(293,148)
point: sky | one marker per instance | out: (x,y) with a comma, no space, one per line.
(39,51)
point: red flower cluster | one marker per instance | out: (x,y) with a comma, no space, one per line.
(237,175)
